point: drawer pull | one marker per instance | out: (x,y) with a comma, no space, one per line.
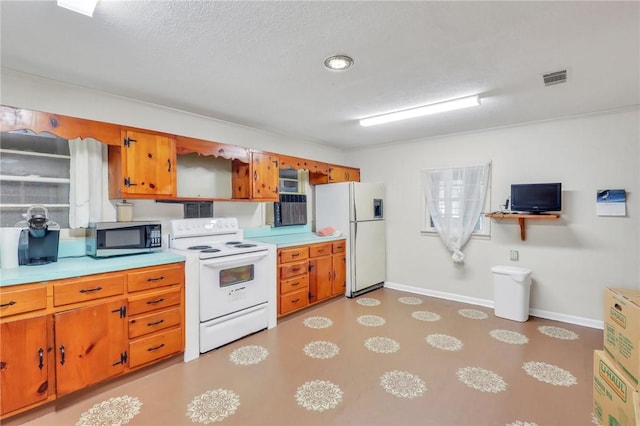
(90,290)
(295,300)
(155,348)
(41,358)
(153,302)
(13,302)
(295,255)
(295,269)
(320,250)
(151,324)
(160,278)
(295,284)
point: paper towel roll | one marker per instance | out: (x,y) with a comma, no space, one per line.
(9,247)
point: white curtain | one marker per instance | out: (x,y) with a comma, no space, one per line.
(455,197)
(85,189)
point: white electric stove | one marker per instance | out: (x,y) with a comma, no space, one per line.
(229,282)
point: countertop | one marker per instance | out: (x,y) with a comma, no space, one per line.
(69,267)
(290,240)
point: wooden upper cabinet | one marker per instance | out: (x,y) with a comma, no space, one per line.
(297,163)
(257,180)
(186,145)
(343,174)
(144,166)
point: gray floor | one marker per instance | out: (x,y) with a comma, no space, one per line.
(385,358)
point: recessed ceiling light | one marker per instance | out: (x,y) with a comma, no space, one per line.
(338,62)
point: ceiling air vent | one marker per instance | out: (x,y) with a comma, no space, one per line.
(556,77)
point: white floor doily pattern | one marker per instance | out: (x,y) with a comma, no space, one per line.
(508,336)
(426,316)
(318,322)
(481,379)
(558,332)
(319,395)
(114,411)
(382,345)
(473,314)
(321,349)
(444,342)
(368,301)
(371,320)
(213,406)
(248,355)
(403,384)
(408,300)
(549,373)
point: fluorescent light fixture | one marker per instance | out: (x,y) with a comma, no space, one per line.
(86,7)
(420,111)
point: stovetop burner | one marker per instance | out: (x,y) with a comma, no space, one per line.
(244,245)
(210,250)
(202,247)
(233,243)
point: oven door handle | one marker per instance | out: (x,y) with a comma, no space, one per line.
(240,259)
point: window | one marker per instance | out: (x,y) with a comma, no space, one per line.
(450,197)
(33,170)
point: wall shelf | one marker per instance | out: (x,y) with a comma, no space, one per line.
(521,219)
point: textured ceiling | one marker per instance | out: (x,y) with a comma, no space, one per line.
(261,63)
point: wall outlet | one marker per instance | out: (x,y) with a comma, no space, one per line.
(513,254)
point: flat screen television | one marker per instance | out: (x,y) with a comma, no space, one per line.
(536,198)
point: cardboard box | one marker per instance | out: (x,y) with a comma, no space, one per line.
(615,402)
(622,330)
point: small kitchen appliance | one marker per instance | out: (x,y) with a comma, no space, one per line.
(39,237)
(105,239)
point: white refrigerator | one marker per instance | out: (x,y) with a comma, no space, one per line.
(357,210)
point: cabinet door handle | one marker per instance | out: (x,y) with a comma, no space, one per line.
(153,302)
(155,348)
(89,290)
(169,163)
(160,278)
(13,302)
(151,324)
(41,358)
(62,355)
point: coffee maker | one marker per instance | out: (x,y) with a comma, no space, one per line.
(39,238)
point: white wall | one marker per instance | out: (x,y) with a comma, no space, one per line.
(26,91)
(573,259)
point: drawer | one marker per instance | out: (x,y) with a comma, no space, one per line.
(338,246)
(293,301)
(293,254)
(295,283)
(319,250)
(18,300)
(150,323)
(152,301)
(85,289)
(156,346)
(155,277)
(293,269)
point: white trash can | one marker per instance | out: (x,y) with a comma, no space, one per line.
(511,289)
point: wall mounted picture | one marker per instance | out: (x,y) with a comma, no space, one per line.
(611,202)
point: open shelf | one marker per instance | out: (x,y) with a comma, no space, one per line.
(521,219)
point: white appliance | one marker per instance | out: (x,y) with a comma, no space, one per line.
(229,282)
(356,209)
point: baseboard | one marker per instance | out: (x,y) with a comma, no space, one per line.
(569,319)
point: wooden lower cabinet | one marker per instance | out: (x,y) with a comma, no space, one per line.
(24,363)
(74,333)
(90,345)
(309,274)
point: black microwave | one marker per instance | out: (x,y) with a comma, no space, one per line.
(106,239)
